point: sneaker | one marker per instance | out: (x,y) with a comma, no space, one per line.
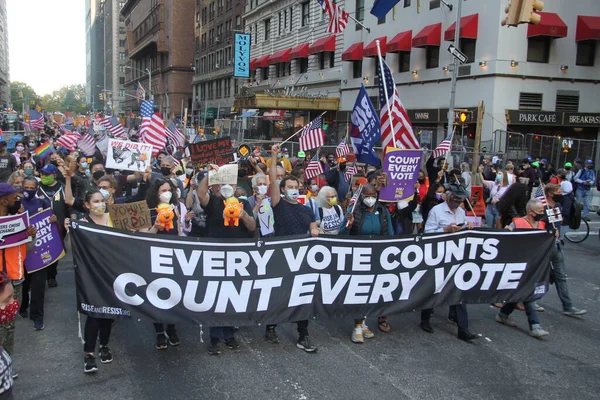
(89,364)
(173,338)
(538,308)
(38,325)
(232,344)
(538,333)
(367,333)
(572,312)
(161,341)
(15,374)
(357,335)
(23,313)
(52,282)
(105,355)
(214,349)
(304,344)
(506,320)
(271,336)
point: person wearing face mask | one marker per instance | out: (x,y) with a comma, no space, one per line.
(19,149)
(29,169)
(281,159)
(214,206)
(449,217)
(497,189)
(16,180)
(336,178)
(192,202)
(260,189)
(570,174)
(8,163)
(243,181)
(291,218)
(527,175)
(436,195)
(83,168)
(167,164)
(330,213)
(8,311)
(12,259)
(585,179)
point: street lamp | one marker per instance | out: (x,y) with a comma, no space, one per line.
(149,78)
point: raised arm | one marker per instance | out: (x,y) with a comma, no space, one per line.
(203,195)
(273,185)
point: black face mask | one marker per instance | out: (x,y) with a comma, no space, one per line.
(539,217)
(568,169)
(557,198)
(242,173)
(15,207)
(342,167)
(166,171)
(53,163)
(421,180)
(98,174)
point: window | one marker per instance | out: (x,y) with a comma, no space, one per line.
(467,46)
(305,14)
(121,80)
(268,29)
(357,69)
(433,57)
(538,49)
(322,60)
(406,3)
(229,4)
(220,7)
(360,13)
(198,17)
(121,68)
(404,61)
(121,56)
(331,59)
(255,33)
(280,25)
(122,43)
(219,93)
(236,89)
(586,53)
(303,65)
(291,18)
(285,21)
(121,92)
(227,87)
(203,41)
(433,4)
(211,10)
(204,16)
(283,69)
(210,90)
(265,73)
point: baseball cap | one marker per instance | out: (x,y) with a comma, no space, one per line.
(535,164)
(49,169)
(589,162)
(568,164)
(284,150)
(6,189)
(301,154)
(543,161)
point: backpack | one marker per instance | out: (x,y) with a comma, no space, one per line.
(575,218)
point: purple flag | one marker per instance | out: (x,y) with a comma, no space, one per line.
(48,245)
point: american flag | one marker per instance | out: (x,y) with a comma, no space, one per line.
(314,168)
(87,144)
(177,138)
(106,122)
(354,199)
(443,147)
(312,135)
(350,172)
(69,140)
(338,18)
(36,120)
(539,194)
(117,129)
(152,130)
(342,149)
(140,93)
(403,134)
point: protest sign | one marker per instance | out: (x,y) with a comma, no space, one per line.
(225,282)
(265,218)
(475,221)
(217,151)
(402,169)
(130,216)
(227,174)
(48,244)
(13,230)
(130,156)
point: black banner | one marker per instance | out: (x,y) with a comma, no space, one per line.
(244,282)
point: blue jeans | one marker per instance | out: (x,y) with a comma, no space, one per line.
(492,215)
(585,195)
(532,317)
(560,277)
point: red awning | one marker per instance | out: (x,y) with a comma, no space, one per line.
(587,28)
(324,44)
(300,51)
(353,53)
(468,28)
(400,42)
(431,35)
(253,64)
(280,57)
(550,25)
(274,115)
(371,49)
(263,62)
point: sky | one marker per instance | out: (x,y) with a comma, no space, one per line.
(46,43)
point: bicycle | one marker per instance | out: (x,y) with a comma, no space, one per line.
(580,234)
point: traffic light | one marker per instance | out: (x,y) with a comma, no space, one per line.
(528,9)
(101,96)
(513,13)
(463,117)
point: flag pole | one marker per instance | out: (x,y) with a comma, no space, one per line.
(468,200)
(359,23)
(387,98)
(286,140)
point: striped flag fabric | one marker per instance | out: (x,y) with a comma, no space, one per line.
(443,147)
(312,135)
(397,132)
(175,135)
(314,168)
(106,122)
(350,172)
(539,195)
(87,144)
(338,18)
(152,130)
(116,129)
(36,120)
(69,140)
(342,149)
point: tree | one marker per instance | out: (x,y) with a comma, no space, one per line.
(66,99)
(21,92)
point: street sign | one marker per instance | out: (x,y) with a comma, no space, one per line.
(456,53)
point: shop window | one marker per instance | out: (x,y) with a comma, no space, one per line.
(432,57)
(467,46)
(357,69)
(303,62)
(586,53)
(404,61)
(538,49)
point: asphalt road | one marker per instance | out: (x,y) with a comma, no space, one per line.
(406,363)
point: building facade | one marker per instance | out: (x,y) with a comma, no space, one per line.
(214,86)
(160,53)
(539,81)
(4,61)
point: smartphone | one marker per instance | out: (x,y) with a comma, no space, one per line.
(460,224)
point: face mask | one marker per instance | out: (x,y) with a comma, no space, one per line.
(421,180)
(98,209)
(9,312)
(87,173)
(242,173)
(105,193)
(292,194)
(242,198)
(369,201)
(557,198)
(261,190)
(314,188)
(278,182)
(98,174)
(29,194)
(568,169)
(438,196)
(333,202)
(54,162)
(84,165)
(165,197)
(31,144)
(287,156)
(18,188)
(166,171)
(28,172)
(589,167)
(15,207)
(499,178)
(453,203)
(278,155)
(227,191)
(47,180)
(539,217)
(20,148)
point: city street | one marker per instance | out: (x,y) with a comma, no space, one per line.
(404,364)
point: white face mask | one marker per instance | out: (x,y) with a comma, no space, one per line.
(261,190)
(369,201)
(165,197)
(105,193)
(227,191)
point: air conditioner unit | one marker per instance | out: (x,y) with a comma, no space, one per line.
(217,65)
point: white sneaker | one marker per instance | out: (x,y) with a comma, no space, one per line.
(357,335)
(539,333)
(367,333)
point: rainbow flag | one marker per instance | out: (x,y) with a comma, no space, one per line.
(43,150)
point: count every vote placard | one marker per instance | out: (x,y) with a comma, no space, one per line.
(402,169)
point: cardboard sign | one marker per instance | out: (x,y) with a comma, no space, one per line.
(476,221)
(130,216)
(13,230)
(130,156)
(227,174)
(265,218)
(217,151)
(48,244)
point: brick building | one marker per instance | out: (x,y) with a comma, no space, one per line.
(160,41)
